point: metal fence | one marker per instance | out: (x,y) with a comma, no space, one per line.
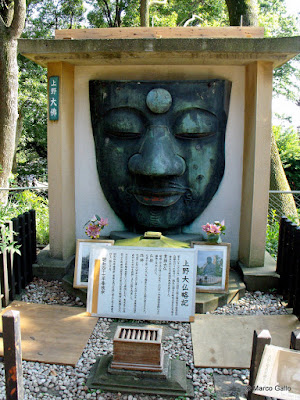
(41,188)
(16,270)
(275,198)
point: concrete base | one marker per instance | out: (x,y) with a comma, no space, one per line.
(51,268)
(262,278)
(175,383)
(207,302)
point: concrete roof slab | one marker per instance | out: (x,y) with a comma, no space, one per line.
(199,51)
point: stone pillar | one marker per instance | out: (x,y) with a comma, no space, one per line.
(256,168)
(61,166)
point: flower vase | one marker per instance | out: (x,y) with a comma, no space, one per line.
(213,238)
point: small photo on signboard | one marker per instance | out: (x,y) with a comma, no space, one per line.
(213,263)
(83,249)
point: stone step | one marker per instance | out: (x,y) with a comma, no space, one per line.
(260,278)
(207,302)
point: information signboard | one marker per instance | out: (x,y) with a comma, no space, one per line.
(142,283)
(53,98)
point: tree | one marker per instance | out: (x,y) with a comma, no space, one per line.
(12,20)
(145,9)
(288,144)
(44,16)
(109,12)
(278,181)
(31,137)
(242,12)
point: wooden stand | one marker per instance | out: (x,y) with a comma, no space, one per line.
(138,349)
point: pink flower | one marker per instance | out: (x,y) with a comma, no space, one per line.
(215,229)
(206,227)
(93,231)
(94,226)
(103,222)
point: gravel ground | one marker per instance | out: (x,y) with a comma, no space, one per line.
(56,382)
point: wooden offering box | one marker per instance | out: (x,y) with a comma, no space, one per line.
(138,348)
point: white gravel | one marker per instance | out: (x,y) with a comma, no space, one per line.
(56,382)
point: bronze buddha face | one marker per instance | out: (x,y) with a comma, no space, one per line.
(160,148)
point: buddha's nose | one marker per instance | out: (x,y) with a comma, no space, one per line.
(157,155)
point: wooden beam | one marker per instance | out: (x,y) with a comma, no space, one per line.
(260,339)
(12,355)
(295,340)
(159,33)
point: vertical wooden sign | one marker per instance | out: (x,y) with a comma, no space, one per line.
(12,355)
(53,98)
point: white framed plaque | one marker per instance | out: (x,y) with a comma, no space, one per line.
(83,248)
(151,283)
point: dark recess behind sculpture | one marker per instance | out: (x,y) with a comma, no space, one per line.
(160,148)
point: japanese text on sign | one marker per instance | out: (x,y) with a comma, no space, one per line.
(143,283)
(53,98)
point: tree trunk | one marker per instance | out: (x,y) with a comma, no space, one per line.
(12,21)
(9,110)
(247,9)
(144,12)
(18,137)
(285,203)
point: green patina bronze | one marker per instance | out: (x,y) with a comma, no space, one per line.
(163,241)
(160,148)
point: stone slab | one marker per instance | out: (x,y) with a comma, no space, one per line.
(175,384)
(225,341)
(261,278)
(52,334)
(229,388)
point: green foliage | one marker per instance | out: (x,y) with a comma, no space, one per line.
(6,242)
(44,16)
(32,148)
(113,13)
(25,201)
(273,17)
(288,144)
(272,234)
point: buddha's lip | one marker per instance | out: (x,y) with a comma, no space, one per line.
(158,198)
(162,192)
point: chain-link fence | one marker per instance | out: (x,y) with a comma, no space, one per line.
(276,200)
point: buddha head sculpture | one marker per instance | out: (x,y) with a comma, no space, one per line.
(160,148)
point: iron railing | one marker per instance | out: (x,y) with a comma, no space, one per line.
(288,263)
